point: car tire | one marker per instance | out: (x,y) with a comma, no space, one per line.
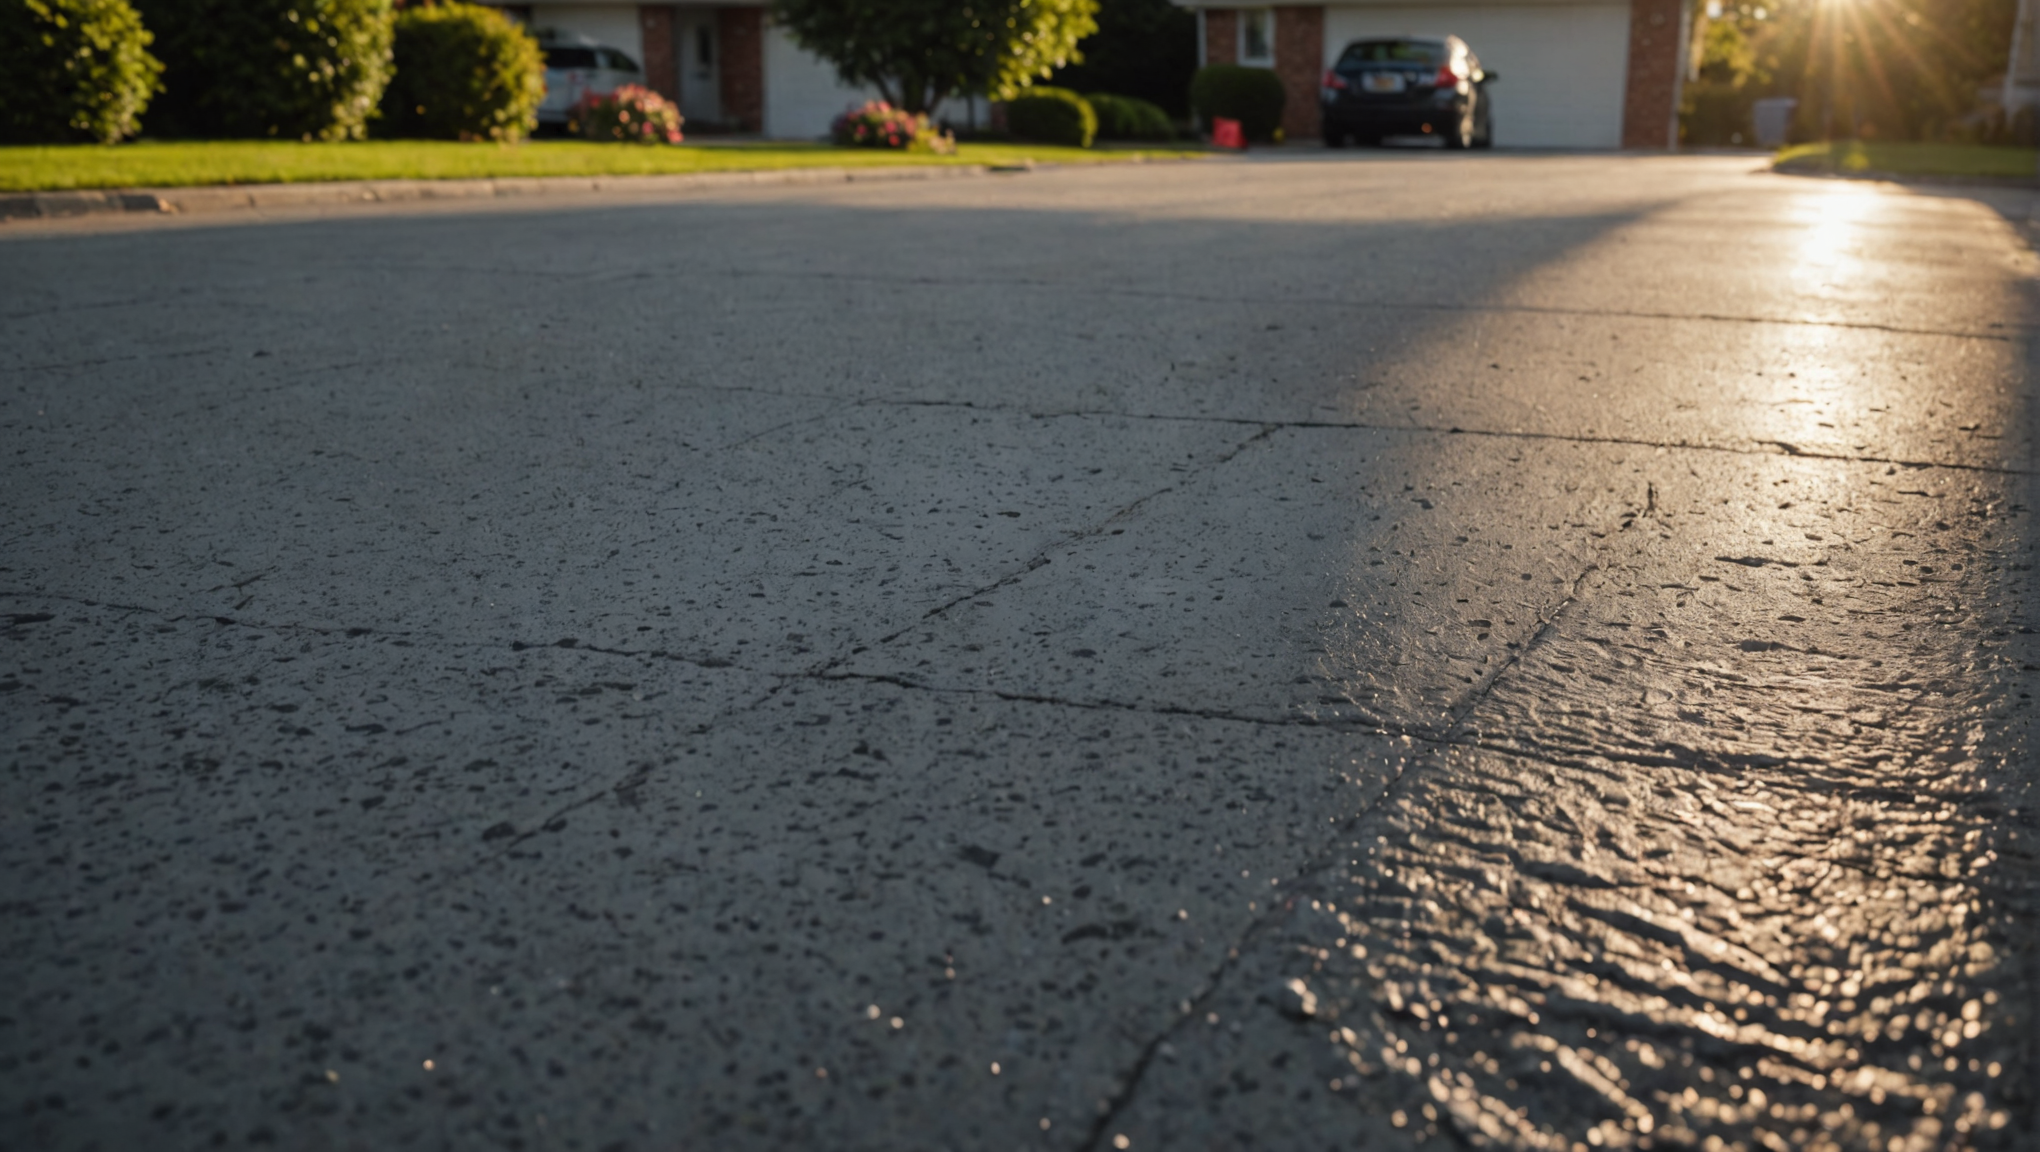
(1334,138)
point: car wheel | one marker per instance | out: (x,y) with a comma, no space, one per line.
(1335,138)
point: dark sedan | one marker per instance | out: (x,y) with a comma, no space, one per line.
(1408,86)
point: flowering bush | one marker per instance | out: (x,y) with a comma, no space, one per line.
(878,124)
(633,114)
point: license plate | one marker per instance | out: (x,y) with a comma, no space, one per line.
(1382,82)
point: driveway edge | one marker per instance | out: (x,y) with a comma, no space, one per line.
(240,197)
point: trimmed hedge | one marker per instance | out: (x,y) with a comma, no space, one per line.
(1252,96)
(463,72)
(1128,118)
(1052,116)
(73,70)
(293,69)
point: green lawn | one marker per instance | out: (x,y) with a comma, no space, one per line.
(159,165)
(1847,156)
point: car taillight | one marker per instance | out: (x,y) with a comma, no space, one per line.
(1447,77)
(1334,80)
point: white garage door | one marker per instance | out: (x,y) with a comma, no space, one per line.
(802,95)
(1562,67)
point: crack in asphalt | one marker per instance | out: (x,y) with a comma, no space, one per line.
(169,617)
(60,367)
(1784,447)
(1320,862)
(1042,558)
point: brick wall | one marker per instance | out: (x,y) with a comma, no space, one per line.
(1650,99)
(1221,36)
(740,34)
(1300,62)
(662,71)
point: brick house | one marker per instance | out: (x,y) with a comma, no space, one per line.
(723,63)
(1572,73)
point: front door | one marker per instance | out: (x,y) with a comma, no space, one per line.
(700,64)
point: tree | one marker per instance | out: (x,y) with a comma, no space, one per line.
(1888,69)
(1144,48)
(919,52)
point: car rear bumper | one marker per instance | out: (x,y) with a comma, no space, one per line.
(1399,119)
(1392,117)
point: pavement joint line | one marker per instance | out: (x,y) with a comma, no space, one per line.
(2009,333)
(1784,447)
(1370,726)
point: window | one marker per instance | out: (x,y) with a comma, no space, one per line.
(570,58)
(1257,37)
(1427,52)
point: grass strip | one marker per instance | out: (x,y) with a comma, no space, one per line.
(1856,157)
(184,163)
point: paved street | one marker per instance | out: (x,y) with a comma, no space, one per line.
(1519,652)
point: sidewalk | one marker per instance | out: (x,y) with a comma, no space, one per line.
(241,197)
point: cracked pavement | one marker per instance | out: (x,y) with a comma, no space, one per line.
(1520,652)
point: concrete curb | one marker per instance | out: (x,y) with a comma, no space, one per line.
(241,197)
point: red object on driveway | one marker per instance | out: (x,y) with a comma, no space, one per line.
(1226,133)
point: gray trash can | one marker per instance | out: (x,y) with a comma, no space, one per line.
(1772,120)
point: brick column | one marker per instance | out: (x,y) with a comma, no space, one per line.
(662,69)
(740,37)
(1650,101)
(1300,62)
(1221,36)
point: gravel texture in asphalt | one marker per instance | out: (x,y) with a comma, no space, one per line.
(1517,652)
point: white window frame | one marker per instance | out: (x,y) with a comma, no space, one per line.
(1267,18)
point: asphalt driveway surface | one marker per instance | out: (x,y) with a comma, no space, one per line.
(1502,652)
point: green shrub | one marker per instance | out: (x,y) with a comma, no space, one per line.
(1714,113)
(296,69)
(73,70)
(1127,118)
(463,72)
(1052,116)
(1252,96)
